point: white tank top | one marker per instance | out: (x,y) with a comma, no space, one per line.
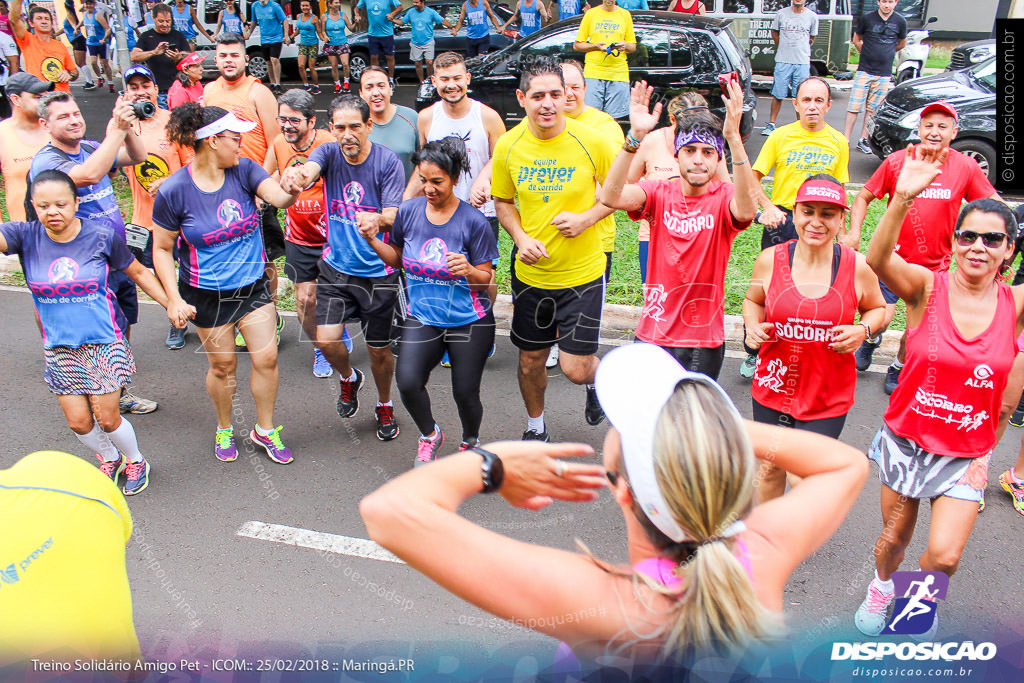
(471,129)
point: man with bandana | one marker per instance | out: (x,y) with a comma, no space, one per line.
(694,220)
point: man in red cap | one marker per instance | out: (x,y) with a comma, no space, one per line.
(926,236)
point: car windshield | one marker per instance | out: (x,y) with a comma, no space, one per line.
(986,74)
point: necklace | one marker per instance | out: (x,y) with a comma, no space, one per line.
(300,151)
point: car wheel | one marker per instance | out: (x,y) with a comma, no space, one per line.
(357,63)
(258,67)
(906,75)
(980,151)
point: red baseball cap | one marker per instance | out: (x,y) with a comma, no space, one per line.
(942,107)
(193,58)
(822,190)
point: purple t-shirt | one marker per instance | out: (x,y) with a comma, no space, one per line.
(221,246)
(98,202)
(436,297)
(375,184)
(68,281)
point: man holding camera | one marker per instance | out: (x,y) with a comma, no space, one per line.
(161,48)
(90,163)
(163,158)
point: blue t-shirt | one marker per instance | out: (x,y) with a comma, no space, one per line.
(68,281)
(423,24)
(93,29)
(568,8)
(335,30)
(231,23)
(98,202)
(476,20)
(529,19)
(183,21)
(221,248)
(436,297)
(632,4)
(375,184)
(307,31)
(270,18)
(376,16)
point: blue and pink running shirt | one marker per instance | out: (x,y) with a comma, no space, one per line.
(375,184)
(221,246)
(68,281)
(436,297)
(98,203)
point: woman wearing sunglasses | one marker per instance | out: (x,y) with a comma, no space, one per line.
(706,569)
(956,390)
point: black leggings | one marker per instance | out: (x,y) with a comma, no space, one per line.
(707,361)
(829,426)
(421,349)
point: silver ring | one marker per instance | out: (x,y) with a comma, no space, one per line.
(559,468)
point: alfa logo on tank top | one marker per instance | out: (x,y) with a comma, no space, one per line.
(981,380)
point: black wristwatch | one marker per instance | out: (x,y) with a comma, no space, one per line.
(492,470)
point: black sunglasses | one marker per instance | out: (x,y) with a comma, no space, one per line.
(966,238)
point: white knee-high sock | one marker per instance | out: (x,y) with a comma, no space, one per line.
(124,438)
(97,442)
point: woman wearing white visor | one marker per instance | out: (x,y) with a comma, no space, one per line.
(707,570)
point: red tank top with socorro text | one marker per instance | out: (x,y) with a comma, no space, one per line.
(797,373)
(951,388)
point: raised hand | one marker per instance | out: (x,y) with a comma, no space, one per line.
(921,167)
(642,120)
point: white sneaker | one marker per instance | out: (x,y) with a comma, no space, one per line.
(873,613)
(552,360)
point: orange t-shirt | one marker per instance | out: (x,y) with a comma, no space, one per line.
(15,160)
(163,158)
(46,60)
(236,100)
(307,224)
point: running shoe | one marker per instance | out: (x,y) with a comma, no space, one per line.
(552,360)
(864,353)
(345,85)
(224,445)
(315,90)
(321,366)
(470,443)
(280,326)
(100,82)
(112,469)
(136,477)
(1014,489)
(863,147)
(981,503)
(130,403)
(348,399)
(306,87)
(387,425)
(239,341)
(426,450)
(532,435)
(892,379)
(491,354)
(90,85)
(175,338)
(272,444)
(110,87)
(748,366)
(1017,419)
(768,128)
(337,87)
(446,362)
(873,613)
(593,411)
(346,339)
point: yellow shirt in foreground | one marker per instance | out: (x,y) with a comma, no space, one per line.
(545,178)
(601,26)
(63,584)
(611,133)
(797,153)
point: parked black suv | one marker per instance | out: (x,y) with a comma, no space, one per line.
(972,91)
(675,53)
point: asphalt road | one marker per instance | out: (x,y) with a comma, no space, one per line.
(255,598)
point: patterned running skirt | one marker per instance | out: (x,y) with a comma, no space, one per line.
(911,471)
(92,369)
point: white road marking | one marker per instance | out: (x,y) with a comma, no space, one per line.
(316,540)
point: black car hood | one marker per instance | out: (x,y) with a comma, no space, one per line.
(955,87)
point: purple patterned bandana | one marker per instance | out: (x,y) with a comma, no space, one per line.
(688,138)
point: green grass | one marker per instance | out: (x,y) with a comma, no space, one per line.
(625,287)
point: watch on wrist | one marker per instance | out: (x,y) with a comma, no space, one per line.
(491,469)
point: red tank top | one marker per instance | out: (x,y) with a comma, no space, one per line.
(693,9)
(951,388)
(797,373)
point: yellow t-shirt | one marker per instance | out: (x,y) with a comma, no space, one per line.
(545,178)
(64,590)
(601,26)
(797,153)
(611,133)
